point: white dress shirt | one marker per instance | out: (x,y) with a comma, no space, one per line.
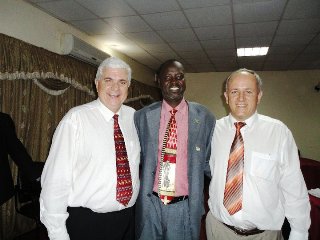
(81,167)
(273,185)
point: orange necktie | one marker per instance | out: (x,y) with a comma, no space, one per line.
(124,182)
(233,189)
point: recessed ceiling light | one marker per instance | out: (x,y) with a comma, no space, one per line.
(256,51)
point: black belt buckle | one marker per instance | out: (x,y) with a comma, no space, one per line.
(175,199)
(244,232)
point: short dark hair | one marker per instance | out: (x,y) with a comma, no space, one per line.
(161,67)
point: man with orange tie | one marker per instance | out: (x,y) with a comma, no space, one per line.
(90,181)
(175,137)
(257,180)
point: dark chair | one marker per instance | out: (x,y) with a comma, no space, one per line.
(27,195)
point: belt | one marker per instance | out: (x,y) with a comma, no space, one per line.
(244,232)
(175,199)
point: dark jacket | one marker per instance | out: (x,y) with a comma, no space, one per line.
(10,145)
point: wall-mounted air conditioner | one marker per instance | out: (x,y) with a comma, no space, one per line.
(75,47)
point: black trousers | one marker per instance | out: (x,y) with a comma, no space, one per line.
(84,224)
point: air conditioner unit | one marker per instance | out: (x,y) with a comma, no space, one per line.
(75,47)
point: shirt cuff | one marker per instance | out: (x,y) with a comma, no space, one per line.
(295,235)
(61,235)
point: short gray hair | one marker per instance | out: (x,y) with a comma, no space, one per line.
(257,77)
(113,62)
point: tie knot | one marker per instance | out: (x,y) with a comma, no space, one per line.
(173,111)
(115,117)
(239,125)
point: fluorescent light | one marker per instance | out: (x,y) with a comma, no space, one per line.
(256,51)
(264,50)
(240,52)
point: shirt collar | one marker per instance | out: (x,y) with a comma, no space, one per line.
(182,105)
(249,122)
(106,112)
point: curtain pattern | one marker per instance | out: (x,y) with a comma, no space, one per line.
(37,88)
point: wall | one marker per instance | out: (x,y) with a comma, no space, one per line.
(288,96)
(21,20)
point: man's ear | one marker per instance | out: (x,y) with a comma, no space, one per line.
(226,97)
(260,96)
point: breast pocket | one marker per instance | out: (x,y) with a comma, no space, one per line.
(263,166)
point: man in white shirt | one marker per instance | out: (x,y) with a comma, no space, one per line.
(79,198)
(257,180)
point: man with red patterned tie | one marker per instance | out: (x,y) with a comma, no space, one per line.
(257,180)
(175,137)
(90,181)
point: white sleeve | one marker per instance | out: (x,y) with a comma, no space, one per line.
(56,180)
(296,203)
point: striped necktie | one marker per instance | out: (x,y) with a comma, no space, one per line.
(233,189)
(124,182)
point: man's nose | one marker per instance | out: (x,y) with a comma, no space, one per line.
(114,85)
(241,96)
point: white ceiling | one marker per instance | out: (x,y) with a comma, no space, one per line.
(202,34)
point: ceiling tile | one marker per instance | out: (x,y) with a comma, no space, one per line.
(204,67)
(36,1)
(186,46)
(253,42)
(225,68)
(254,63)
(312,49)
(178,35)
(281,58)
(198,60)
(144,37)
(185,4)
(316,40)
(118,25)
(300,26)
(262,29)
(270,66)
(258,11)
(151,6)
(286,50)
(202,17)
(224,61)
(166,20)
(222,53)
(116,41)
(218,44)
(110,8)
(287,40)
(309,57)
(165,56)
(67,10)
(191,54)
(128,24)
(306,62)
(92,27)
(157,48)
(302,9)
(214,32)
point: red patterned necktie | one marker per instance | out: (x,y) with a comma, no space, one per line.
(168,161)
(124,182)
(233,189)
